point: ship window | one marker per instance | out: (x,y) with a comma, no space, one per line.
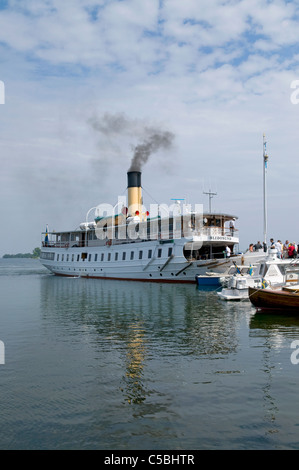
(102,256)
(149,254)
(62,257)
(89,257)
(96,257)
(170,251)
(140,254)
(73,257)
(57,257)
(78,257)
(116,257)
(67,257)
(159,252)
(109,256)
(124,255)
(132,255)
(45,255)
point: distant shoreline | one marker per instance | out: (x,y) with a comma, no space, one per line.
(34,255)
(21,255)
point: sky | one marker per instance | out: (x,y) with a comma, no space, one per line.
(214,74)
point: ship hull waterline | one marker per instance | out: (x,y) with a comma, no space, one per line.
(171,269)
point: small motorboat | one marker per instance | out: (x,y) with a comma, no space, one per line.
(221,279)
(209,279)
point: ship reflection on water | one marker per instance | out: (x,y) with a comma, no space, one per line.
(171,365)
(134,389)
(98,364)
(141,323)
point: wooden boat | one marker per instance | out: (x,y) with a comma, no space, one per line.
(281,299)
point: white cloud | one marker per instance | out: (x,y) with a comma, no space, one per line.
(216,73)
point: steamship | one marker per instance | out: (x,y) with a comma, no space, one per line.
(133,245)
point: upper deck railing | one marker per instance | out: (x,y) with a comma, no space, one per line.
(81,239)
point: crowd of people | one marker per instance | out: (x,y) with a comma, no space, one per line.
(284,250)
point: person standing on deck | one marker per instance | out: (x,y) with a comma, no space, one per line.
(278,246)
(232,227)
(285,249)
(258,246)
(291,250)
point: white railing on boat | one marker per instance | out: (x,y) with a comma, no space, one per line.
(89,238)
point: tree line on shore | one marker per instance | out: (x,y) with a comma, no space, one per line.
(35,254)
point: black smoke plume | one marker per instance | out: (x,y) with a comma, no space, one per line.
(155,141)
(151,138)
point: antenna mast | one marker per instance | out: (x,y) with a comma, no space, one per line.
(210,197)
(265,164)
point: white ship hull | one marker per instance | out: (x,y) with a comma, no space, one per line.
(131,262)
(170,266)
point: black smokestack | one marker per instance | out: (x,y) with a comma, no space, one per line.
(155,141)
(134,179)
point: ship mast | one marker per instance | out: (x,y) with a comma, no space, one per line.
(210,198)
(265,164)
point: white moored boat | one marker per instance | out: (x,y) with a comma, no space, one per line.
(272,271)
(131,245)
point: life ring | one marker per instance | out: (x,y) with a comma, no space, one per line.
(108,242)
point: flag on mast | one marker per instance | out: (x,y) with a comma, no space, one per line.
(47,234)
(265,152)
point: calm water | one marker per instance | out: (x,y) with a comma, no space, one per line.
(93,364)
